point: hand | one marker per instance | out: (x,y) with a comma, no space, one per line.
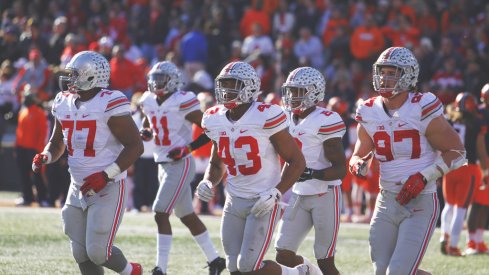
(306,175)
(38,161)
(179,152)
(359,168)
(146,134)
(266,202)
(485,182)
(411,188)
(94,183)
(205,191)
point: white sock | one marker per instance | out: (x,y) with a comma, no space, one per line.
(205,243)
(472,236)
(479,235)
(446,219)
(288,270)
(127,270)
(313,269)
(457,225)
(163,251)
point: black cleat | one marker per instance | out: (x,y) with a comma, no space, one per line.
(443,247)
(157,271)
(217,266)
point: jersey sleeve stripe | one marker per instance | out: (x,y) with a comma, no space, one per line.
(116,103)
(274,122)
(431,108)
(189,104)
(327,130)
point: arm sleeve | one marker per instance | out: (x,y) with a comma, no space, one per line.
(188,102)
(117,105)
(276,119)
(332,127)
(431,107)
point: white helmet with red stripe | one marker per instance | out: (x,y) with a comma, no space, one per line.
(407,71)
(246,88)
(86,70)
(304,88)
(164,77)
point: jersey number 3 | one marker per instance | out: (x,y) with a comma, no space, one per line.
(252,155)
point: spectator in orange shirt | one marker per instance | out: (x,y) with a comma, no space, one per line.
(367,41)
(31,135)
(126,76)
(255,14)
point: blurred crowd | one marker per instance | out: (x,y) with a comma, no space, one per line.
(342,39)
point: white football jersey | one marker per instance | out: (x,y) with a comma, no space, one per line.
(90,143)
(245,148)
(400,142)
(310,133)
(170,128)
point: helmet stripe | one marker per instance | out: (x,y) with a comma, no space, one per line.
(389,52)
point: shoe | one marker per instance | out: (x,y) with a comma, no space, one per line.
(157,271)
(217,266)
(471,248)
(137,269)
(444,243)
(303,269)
(482,248)
(454,251)
(22,202)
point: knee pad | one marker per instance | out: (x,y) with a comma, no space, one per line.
(97,253)
(246,264)
(232,263)
(79,252)
(380,268)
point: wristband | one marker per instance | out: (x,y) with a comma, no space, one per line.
(48,155)
(112,170)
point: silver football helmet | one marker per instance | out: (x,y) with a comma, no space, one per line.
(86,70)
(246,89)
(164,77)
(406,77)
(304,88)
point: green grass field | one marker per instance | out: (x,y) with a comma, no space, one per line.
(32,242)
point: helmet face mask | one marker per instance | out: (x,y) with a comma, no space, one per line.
(303,89)
(85,71)
(405,77)
(236,84)
(164,78)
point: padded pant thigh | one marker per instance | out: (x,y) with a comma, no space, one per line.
(103,220)
(74,226)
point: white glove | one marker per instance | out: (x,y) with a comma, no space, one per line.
(205,191)
(266,202)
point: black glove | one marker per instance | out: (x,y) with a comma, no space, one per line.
(306,175)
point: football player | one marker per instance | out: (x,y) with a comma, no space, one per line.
(169,115)
(415,145)
(248,137)
(461,186)
(94,124)
(316,198)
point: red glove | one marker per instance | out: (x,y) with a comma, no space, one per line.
(94,183)
(359,168)
(411,188)
(38,161)
(179,152)
(146,134)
